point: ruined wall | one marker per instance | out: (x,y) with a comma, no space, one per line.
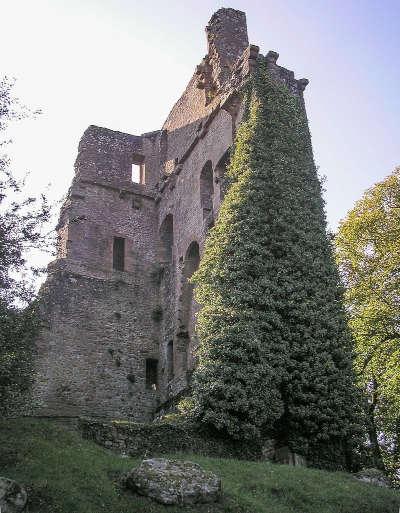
(191,224)
(198,133)
(104,325)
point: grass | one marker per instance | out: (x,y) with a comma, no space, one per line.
(65,474)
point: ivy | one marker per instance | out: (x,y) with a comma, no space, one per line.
(275,355)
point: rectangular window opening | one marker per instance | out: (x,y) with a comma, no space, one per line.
(137,203)
(138,173)
(151,374)
(119,254)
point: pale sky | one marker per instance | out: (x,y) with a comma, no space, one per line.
(122,64)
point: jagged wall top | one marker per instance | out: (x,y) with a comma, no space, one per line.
(227,39)
(107,155)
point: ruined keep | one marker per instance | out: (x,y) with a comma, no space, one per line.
(118,338)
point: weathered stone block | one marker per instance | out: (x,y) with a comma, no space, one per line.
(13,496)
(373,476)
(174,482)
(286,456)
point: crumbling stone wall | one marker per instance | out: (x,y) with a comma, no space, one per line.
(158,438)
(101,323)
(120,342)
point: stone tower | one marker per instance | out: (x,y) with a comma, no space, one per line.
(118,338)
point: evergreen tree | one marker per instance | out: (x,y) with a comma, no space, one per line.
(275,355)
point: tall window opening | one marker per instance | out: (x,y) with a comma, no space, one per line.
(220,173)
(136,173)
(170,360)
(187,308)
(206,189)
(151,374)
(166,239)
(137,163)
(192,261)
(119,254)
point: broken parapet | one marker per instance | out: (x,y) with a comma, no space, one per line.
(108,155)
(227,39)
(284,75)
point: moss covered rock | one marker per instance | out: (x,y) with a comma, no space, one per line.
(174,482)
(13,496)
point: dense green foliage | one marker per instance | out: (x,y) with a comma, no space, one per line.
(368,254)
(21,222)
(275,355)
(65,474)
(17,330)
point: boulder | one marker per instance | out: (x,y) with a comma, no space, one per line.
(373,476)
(268,449)
(13,496)
(174,482)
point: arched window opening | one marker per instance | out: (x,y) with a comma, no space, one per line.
(207,189)
(187,307)
(166,239)
(192,259)
(220,173)
(170,360)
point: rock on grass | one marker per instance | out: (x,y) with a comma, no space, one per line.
(174,482)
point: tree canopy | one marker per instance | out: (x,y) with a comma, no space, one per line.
(368,253)
(21,228)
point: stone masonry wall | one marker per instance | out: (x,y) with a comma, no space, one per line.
(98,346)
(183,202)
(158,438)
(101,323)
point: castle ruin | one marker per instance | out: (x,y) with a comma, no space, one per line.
(118,338)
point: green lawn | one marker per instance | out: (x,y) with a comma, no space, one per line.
(65,474)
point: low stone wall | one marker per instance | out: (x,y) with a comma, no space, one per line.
(148,440)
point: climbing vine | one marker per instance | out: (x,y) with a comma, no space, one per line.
(275,356)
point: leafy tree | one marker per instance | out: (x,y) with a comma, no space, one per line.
(275,355)
(21,228)
(368,253)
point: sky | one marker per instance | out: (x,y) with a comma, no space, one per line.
(122,64)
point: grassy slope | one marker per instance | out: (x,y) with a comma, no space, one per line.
(66,474)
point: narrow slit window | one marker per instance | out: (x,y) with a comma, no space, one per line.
(170,360)
(119,254)
(151,374)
